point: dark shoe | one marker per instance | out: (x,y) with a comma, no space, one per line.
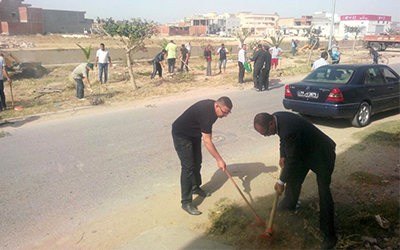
(201,192)
(329,243)
(191,209)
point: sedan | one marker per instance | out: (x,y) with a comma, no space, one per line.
(350,91)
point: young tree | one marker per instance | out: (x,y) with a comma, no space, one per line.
(354,30)
(129,35)
(242,36)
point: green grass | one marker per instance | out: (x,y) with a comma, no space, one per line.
(387,134)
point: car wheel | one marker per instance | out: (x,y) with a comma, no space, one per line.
(363,116)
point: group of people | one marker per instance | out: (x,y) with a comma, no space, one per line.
(303,147)
(330,57)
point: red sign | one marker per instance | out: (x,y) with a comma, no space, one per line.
(365,17)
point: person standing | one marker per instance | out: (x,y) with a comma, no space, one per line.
(187,132)
(171,49)
(158,64)
(258,59)
(81,71)
(102,55)
(276,52)
(303,147)
(320,62)
(266,68)
(241,61)
(222,51)
(208,55)
(374,54)
(335,57)
(3,73)
(184,58)
(294,47)
(188,46)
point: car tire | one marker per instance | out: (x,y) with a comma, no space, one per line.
(363,116)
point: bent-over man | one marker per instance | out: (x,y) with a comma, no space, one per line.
(196,122)
(303,147)
(82,71)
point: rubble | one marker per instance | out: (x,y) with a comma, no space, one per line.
(9,42)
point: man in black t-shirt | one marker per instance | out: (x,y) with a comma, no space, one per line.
(157,63)
(184,57)
(196,122)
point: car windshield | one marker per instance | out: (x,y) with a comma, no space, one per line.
(330,75)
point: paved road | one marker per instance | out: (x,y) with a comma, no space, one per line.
(81,167)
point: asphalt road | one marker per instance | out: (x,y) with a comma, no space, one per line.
(75,169)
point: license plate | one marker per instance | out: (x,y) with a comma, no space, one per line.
(313,95)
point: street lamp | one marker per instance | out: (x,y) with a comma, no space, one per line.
(332,23)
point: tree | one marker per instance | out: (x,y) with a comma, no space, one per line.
(86,52)
(129,35)
(242,36)
(354,30)
(391,31)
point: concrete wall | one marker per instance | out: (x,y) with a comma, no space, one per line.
(59,21)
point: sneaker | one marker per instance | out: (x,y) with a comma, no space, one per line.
(81,99)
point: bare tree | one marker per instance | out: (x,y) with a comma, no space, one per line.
(354,30)
(129,35)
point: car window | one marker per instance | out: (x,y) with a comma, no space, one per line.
(389,76)
(329,75)
(374,76)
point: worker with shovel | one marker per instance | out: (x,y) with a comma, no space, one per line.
(82,71)
(3,73)
(303,147)
(187,131)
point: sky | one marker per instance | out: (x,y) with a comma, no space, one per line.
(166,11)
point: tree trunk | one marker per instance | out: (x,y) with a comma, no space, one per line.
(128,62)
(354,45)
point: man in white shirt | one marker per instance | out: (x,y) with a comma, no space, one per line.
(320,62)
(241,61)
(276,52)
(102,56)
(3,72)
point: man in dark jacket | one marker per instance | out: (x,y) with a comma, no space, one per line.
(258,59)
(196,122)
(303,147)
(264,79)
(157,63)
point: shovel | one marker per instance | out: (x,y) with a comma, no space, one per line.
(267,235)
(12,100)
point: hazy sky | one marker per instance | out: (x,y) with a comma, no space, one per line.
(164,11)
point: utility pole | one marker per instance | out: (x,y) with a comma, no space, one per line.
(332,23)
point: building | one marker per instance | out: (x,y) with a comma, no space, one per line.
(63,21)
(303,21)
(373,24)
(232,25)
(19,18)
(322,20)
(259,24)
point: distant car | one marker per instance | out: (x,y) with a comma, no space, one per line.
(348,91)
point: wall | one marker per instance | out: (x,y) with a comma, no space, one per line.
(59,21)
(197,30)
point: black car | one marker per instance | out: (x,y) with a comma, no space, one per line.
(351,91)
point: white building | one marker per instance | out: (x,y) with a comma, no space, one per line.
(323,20)
(374,24)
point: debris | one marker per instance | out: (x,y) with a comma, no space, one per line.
(384,223)
(53,87)
(97,101)
(7,42)
(369,240)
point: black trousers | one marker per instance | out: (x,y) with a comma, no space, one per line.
(323,165)
(264,79)
(186,66)
(241,72)
(256,76)
(171,65)
(189,153)
(2,96)
(156,68)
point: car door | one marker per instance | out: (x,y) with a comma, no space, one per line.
(392,80)
(377,87)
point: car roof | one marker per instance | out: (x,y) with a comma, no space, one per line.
(353,66)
